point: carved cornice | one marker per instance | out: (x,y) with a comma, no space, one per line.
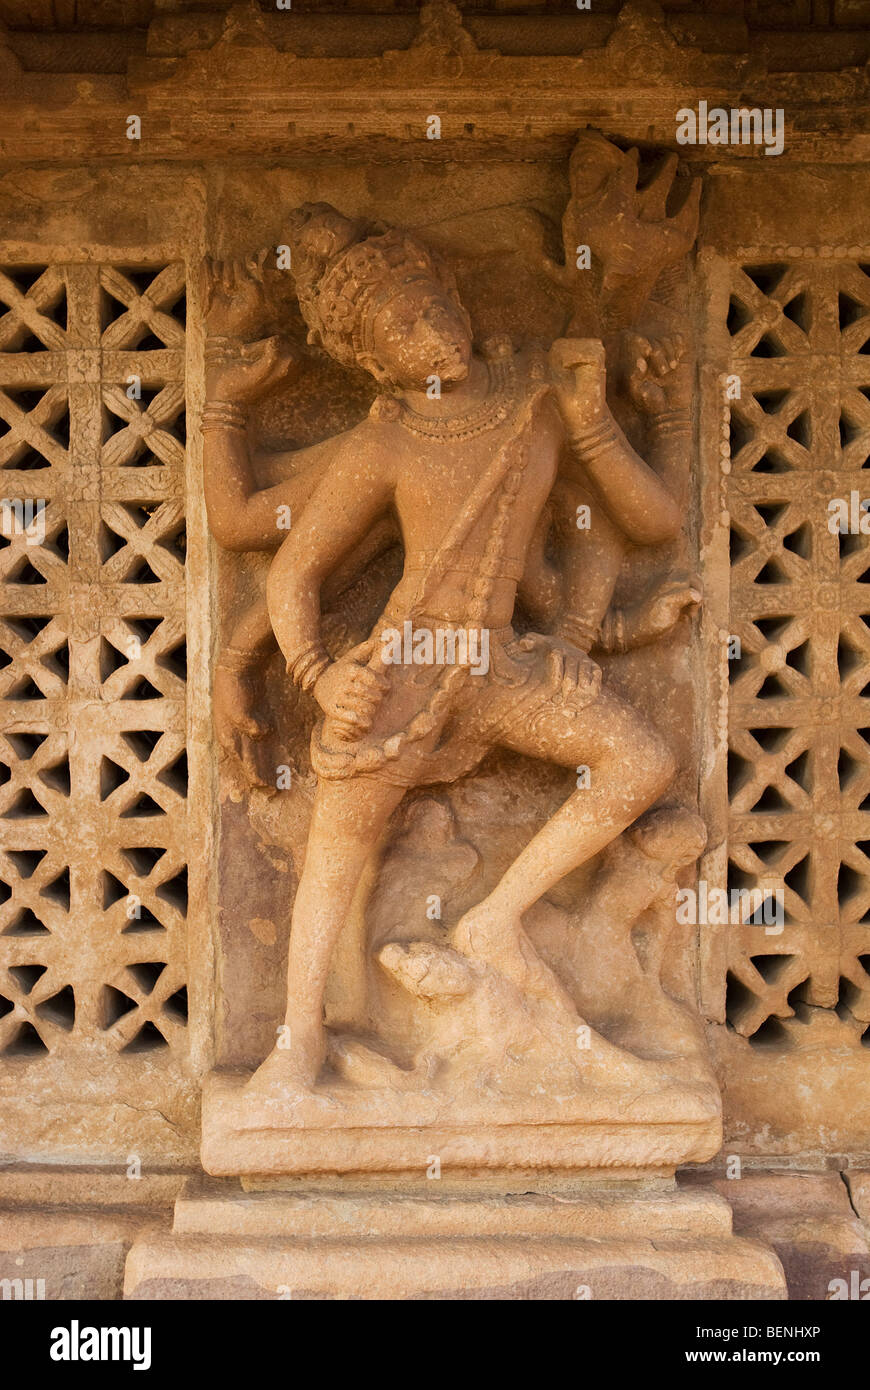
(641,50)
(211,84)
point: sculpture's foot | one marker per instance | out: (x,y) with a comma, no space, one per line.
(294,1065)
(363,1065)
(487,935)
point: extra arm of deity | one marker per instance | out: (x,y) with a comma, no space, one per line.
(253,641)
(241,516)
(641,504)
(238,678)
(670,450)
(540,589)
(660,381)
(624,629)
(353,495)
(236,694)
(633,495)
(242,368)
(572,597)
(635,498)
(593,559)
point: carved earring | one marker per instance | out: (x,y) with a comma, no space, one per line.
(375,369)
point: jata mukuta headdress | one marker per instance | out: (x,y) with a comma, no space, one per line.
(346,271)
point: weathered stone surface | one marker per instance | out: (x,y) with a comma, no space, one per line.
(64,1254)
(619,1244)
(808,1220)
(320,322)
(68,1185)
(858,1184)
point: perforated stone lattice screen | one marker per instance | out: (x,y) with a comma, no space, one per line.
(93,848)
(797,334)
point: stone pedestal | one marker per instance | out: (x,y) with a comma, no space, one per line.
(643,1240)
(340,1131)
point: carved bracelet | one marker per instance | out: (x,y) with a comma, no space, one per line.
(673,422)
(233,659)
(307,668)
(596,440)
(223,415)
(220,349)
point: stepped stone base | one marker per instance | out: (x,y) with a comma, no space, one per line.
(65,1232)
(645,1240)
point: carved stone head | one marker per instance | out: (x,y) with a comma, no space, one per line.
(376,297)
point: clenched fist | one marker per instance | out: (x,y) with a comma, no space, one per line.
(350,694)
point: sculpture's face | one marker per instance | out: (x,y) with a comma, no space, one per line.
(418,334)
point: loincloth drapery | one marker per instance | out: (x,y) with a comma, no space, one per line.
(484,708)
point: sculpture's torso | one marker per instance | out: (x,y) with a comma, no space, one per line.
(436,475)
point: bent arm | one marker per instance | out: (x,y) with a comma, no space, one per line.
(351,496)
(591,557)
(540,588)
(252,639)
(242,516)
(670,451)
(634,496)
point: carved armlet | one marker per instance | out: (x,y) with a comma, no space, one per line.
(589,444)
(220,350)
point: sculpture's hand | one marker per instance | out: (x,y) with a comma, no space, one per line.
(350,694)
(661,611)
(576,675)
(659,377)
(250,370)
(579,379)
(236,300)
(236,724)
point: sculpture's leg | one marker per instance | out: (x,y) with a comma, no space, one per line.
(637,869)
(616,989)
(347,822)
(629,767)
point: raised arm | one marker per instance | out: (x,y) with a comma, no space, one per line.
(634,496)
(660,381)
(242,516)
(243,366)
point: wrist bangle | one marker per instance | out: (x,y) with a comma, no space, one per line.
(223,415)
(596,440)
(219,349)
(307,668)
(673,422)
(234,659)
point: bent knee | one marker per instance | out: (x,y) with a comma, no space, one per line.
(641,760)
(656,765)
